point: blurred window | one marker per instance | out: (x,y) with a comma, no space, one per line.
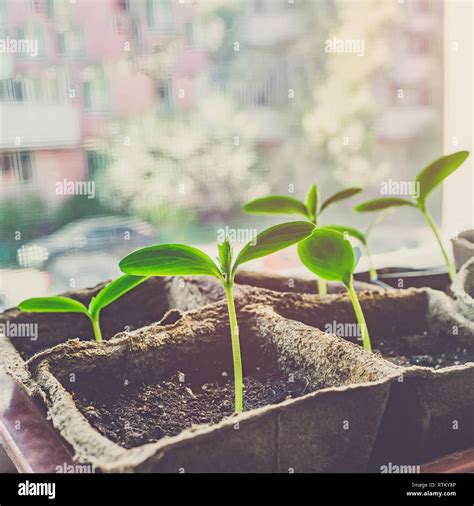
(32,32)
(189,31)
(160,15)
(11,90)
(16,167)
(96,93)
(58,9)
(165,94)
(71,43)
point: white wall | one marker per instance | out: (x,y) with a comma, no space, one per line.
(37,125)
(458,190)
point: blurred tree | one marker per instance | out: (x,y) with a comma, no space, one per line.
(199,162)
(22,218)
(340,124)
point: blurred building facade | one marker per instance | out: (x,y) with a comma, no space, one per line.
(94,65)
(412,92)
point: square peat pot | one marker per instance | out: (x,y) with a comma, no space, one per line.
(430,411)
(280,283)
(160,398)
(24,334)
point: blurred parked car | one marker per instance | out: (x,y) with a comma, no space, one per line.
(85,269)
(113,234)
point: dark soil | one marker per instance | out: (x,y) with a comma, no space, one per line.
(138,415)
(437,353)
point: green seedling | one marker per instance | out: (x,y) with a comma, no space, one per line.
(426,181)
(362,238)
(330,256)
(311,210)
(106,296)
(182,260)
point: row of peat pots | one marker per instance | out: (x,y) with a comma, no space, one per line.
(158,394)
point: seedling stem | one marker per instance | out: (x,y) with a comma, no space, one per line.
(359,315)
(449,265)
(96,328)
(322,287)
(236,356)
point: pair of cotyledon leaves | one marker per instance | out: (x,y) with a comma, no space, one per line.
(106,296)
(282,204)
(427,180)
(181,260)
(311,209)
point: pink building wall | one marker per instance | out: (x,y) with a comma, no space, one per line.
(54,165)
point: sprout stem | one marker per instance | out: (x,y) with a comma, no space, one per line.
(322,287)
(96,327)
(360,316)
(451,269)
(372,270)
(234,332)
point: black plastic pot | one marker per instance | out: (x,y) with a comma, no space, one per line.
(403,277)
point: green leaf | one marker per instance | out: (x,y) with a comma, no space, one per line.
(169,260)
(341,195)
(275,204)
(353,232)
(52,305)
(312,202)
(326,253)
(225,255)
(436,172)
(113,291)
(383,203)
(274,239)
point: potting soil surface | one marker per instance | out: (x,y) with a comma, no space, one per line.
(440,352)
(133,416)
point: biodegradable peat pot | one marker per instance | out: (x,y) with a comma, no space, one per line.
(145,304)
(431,409)
(330,427)
(463,248)
(463,289)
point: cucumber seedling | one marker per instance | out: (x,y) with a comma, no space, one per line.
(363,239)
(182,260)
(329,255)
(106,296)
(311,210)
(426,181)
